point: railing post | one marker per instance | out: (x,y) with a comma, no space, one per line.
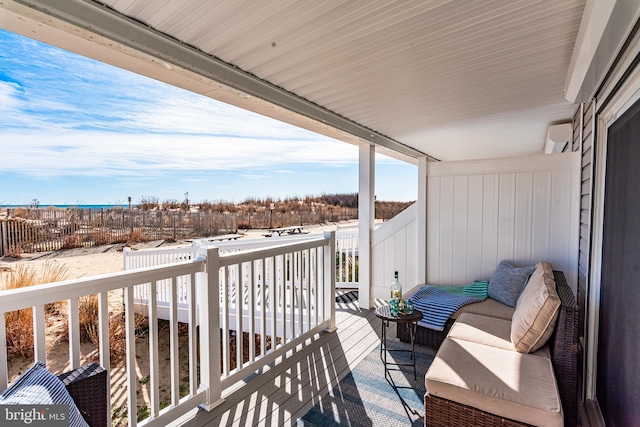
(74,332)
(195,246)
(330,279)
(125,258)
(209,299)
(39,345)
(103,325)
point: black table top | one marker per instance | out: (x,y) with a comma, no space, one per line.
(384,313)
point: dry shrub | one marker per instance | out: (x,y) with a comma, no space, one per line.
(88,318)
(53,272)
(117,335)
(19,332)
(71,242)
(14,252)
(136,236)
(21,213)
(148,203)
(117,339)
(102,237)
(90,330)
(19,323)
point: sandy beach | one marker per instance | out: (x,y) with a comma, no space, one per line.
(83,262)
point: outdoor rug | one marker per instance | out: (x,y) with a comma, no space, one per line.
(347,297)
(366,398)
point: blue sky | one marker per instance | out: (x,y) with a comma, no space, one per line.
(77,131)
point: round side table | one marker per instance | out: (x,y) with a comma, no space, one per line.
(412,319)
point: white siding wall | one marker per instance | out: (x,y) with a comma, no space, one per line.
(395,249)
(522,210)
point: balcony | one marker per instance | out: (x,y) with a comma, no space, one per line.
(281,293)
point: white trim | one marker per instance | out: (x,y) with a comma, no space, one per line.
(593,299)
(533,163)
(421,206)
(594,22)
(632,50)
(628,94)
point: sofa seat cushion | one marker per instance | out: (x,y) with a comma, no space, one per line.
(488,331)
(506,383)
(488,307)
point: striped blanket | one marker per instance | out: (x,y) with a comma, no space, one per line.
(438,303)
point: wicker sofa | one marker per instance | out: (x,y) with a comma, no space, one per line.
(444,408)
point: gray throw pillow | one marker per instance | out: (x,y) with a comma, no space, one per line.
(507,282)
(37,386)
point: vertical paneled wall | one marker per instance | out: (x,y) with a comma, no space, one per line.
(522,210)
(395,249)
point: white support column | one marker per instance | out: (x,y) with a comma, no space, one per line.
(421,204)
(366,216)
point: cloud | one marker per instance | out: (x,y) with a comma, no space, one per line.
(64,114)
(255,176)
(92,153)
(65,91)
(8,96)
(98,129)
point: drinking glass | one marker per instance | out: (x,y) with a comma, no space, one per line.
(394,307)
(408,306)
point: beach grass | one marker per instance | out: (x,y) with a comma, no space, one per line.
(19,323)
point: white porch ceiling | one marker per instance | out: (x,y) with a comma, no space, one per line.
(453,79)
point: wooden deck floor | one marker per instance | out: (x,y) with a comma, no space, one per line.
(285,392)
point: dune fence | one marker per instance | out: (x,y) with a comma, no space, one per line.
(37,230)
(41,229)
(46,229)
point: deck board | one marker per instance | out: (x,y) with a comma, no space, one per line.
(284,392)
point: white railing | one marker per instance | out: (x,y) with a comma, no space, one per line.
(73,290)
(133,260)
(347,239)
(152,257)
(347,246)
(283,294)
(346,263)
(347,258)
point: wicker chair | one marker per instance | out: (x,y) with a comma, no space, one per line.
(87,385)
(564,347)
